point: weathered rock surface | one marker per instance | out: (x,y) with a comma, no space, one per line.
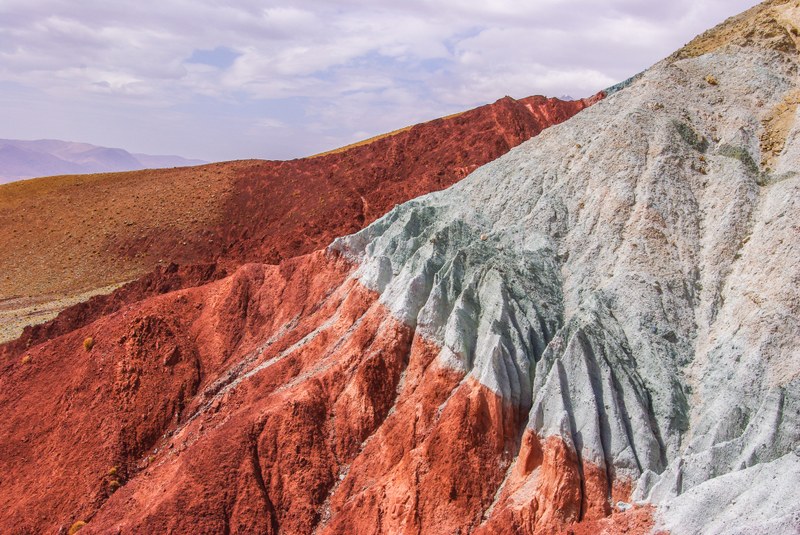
(597,332)
(623,279)
(63,236)
(116,419)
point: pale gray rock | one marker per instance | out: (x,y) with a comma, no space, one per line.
(745,502)
(631,278)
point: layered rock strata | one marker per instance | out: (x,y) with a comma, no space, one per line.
(597,332)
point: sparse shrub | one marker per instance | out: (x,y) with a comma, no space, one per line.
(692,138)
(76,527)
(112,479)
(88,343)
(741,154)
(712,80)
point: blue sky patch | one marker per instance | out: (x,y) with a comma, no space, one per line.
(221,57)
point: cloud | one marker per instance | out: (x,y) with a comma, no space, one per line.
(247,78)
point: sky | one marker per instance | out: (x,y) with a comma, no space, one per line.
(222,80)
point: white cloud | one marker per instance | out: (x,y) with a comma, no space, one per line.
(309,74)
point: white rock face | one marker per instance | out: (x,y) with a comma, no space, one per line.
(632,277)
(745,502)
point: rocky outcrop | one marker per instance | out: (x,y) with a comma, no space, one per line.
(617,279)
(596,332)
(424,158)
(325,413)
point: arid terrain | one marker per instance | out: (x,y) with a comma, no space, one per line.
(535,317)
(79,235)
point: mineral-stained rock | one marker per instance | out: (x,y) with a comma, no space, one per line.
(627,293)
(595,333)
(109,229)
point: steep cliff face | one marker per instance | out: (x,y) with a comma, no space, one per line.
(597,332)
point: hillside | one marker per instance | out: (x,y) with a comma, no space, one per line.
(74,236)
(597,331)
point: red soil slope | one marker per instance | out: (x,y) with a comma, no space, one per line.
(281,398)
(283,209)
(95,230)
(102,230)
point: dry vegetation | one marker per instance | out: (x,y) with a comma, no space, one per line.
(66,235)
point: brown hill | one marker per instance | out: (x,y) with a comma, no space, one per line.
(66,238)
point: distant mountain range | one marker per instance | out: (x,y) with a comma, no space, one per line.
(46,157)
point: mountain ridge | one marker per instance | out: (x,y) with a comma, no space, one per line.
(595,331)
(108,229)
(21,159)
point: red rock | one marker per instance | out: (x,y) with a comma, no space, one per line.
(281,209)
(282,398)
(279,399)
(550,490)
(635,521)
